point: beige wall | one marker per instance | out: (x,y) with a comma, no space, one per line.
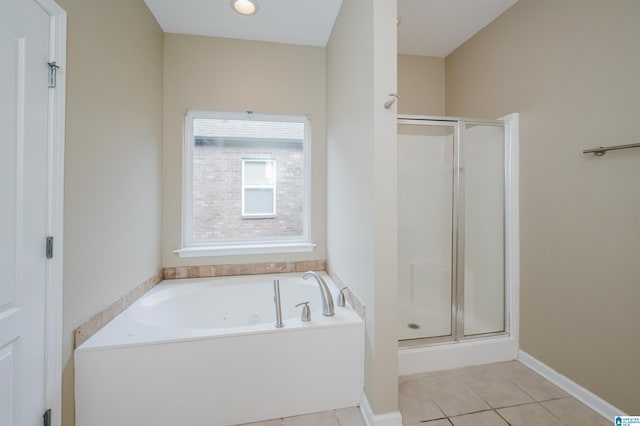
(112,160)
(571,69)
(361,180)
(217,74)
(421,85)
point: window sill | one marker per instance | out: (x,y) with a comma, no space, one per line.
(230,250)
(258,216)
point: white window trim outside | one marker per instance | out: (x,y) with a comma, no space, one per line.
(191,248)
(272,213)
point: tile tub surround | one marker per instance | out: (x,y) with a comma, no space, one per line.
(99,320)
(210,271)
(350,297)
(502,394)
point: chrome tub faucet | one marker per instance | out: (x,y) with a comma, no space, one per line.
(325,293)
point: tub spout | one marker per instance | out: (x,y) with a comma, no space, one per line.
(327,301)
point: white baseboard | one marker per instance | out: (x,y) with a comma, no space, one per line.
(456,355)
(583,395)
(393,418)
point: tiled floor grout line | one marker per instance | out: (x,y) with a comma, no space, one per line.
(437,418)
(500,415)
(556,399)
(531,396)
(549,411)
(478,395)
(521,389)
(441,410)
(473,412)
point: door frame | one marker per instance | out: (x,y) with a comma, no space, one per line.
(55,210)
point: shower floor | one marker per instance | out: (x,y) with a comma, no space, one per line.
(417,322)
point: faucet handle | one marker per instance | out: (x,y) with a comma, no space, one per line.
(341,301)
(306,312)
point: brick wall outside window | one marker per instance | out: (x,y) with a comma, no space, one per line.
(217,189)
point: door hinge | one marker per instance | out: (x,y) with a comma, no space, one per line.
(46,418)
(53,68)
(49,247)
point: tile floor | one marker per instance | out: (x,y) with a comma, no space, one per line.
(502,394)
(344,417)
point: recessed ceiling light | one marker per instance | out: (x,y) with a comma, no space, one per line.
(245,7)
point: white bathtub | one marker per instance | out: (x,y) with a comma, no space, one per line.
(199,352)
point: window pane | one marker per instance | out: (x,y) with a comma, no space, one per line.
(259,173)
(258,201)
(271,153)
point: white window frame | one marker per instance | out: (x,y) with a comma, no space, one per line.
(220,247)
(272,213)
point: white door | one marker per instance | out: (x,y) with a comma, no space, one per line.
(24,49)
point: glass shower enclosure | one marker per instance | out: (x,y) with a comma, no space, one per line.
(451,236)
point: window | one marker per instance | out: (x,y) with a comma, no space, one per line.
(258,188)
(245,184)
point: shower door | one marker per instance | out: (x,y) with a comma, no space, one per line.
(451,193)
(425,227)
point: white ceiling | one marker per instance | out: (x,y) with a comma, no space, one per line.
(427,27)
(306,22)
